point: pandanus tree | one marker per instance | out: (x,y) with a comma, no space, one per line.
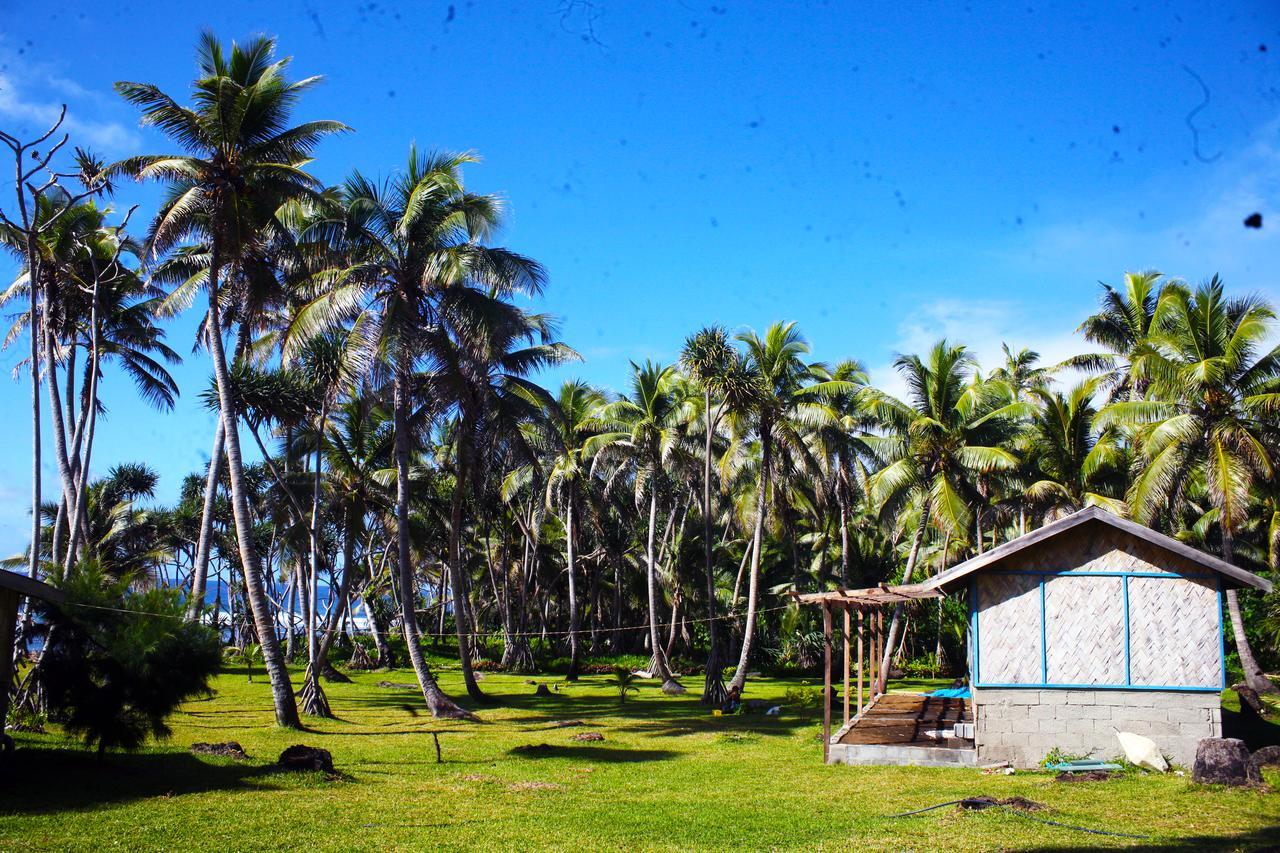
(1209,416)
(934,447)
(411,242)
(717,367)
(240,156)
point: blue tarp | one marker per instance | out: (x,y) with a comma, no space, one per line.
(952,693)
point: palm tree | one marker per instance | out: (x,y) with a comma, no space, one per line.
(714,364)
(644,431)
(1123,328)
(936,445)
(1075,464)
(241,157)
(1209,416)
(560,434)
(411,242)
(782,403)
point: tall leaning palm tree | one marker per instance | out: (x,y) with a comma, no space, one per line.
(411,242)
(936,444)
(240,155)
(1210,416)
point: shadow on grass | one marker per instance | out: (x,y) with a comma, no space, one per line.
(1255,731)
(608,754)
(1257,839)
(40,780)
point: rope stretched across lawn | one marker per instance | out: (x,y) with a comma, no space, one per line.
(980,805)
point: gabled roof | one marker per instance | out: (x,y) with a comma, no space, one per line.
(1241,577)
(24,585)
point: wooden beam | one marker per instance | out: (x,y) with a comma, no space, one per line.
(846,666)
(826,682)
(860,654)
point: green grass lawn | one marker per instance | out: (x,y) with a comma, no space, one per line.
(667,775)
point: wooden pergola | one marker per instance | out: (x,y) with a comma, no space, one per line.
(869,606)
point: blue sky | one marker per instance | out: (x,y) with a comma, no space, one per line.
(883,174)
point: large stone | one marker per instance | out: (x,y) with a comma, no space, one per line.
(1224,761)
(303,757)
(1266,757)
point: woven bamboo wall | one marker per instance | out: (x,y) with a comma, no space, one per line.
(1174,633)
(1009,629)
(1084,629)
(1097,547)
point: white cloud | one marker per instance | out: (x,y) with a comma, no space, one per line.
(982,326)
(36,115)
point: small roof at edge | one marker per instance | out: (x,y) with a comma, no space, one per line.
(1208,561)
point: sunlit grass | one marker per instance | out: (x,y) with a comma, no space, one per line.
(667,775)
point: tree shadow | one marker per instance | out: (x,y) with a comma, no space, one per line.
(609,754)
(42,780)
(1255,839)
(1255,731)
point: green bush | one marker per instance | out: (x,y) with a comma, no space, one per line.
(117,662)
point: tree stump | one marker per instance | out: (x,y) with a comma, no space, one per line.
(1224,761)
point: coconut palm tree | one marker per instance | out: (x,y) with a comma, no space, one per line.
(559,435)
(644,431)
(1123,327)
(241,156)
(412,243)
(1209,416)
(936,444)
(780,403)
(1075,464)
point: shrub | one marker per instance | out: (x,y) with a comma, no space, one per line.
(118,663)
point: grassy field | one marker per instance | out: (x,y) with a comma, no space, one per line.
(667,775)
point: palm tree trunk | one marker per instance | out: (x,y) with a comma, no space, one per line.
(461,612)
(439,704)
(658,665)
(713,689)
(204,544)
(739,680)
(282,690)
(33,558)
(314,702)
(1253,674)
(573,588)
(895,624)
(845,577)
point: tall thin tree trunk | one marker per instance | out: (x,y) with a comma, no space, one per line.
(713,689)
(439,704)
(1253,674)
(895,624)
(204,544)
(282,690)
(659,665)
(573,587)
(739,680)
(461,612)
(314,702)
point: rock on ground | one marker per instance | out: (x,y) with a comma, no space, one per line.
(303,757)
(230,749)
(1224,761)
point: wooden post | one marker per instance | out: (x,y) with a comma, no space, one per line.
(877,685)
(826,682)
(8,623)
(846,664)
(860,655)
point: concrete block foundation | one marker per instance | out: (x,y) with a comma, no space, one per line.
(1022,726)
